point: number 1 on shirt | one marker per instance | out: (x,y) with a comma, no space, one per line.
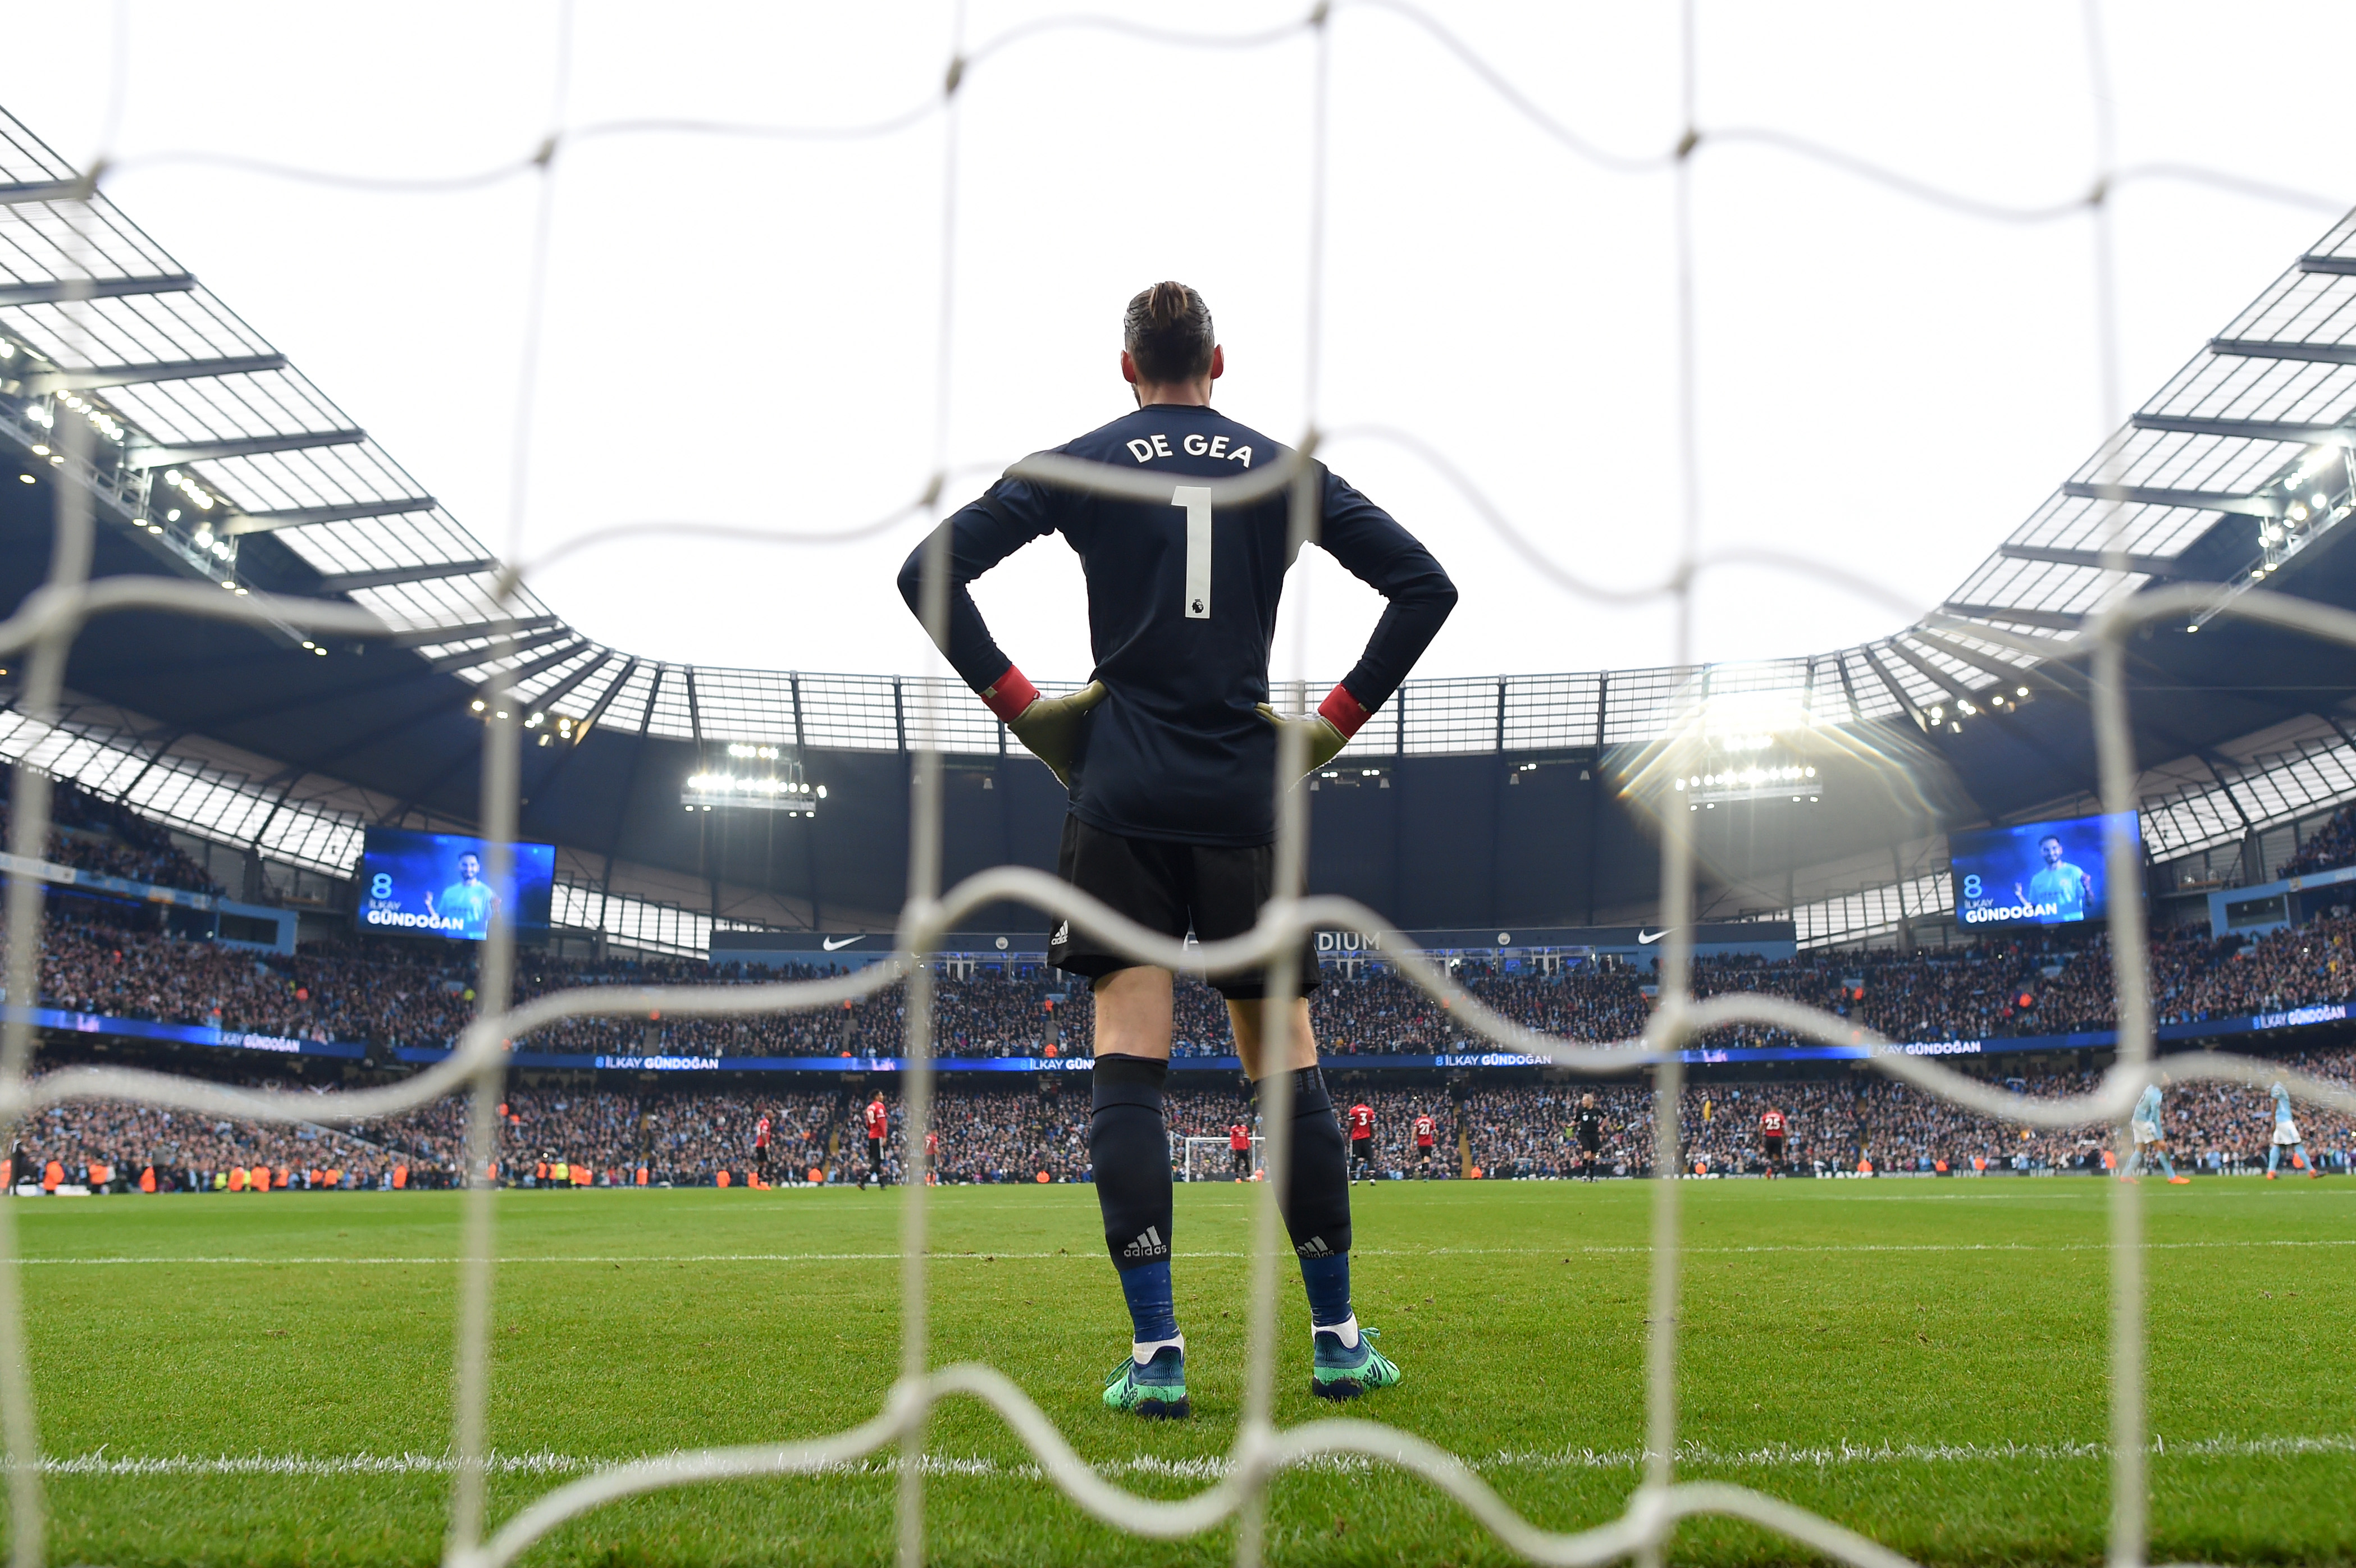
(1197,499)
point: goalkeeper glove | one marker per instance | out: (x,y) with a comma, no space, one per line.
(1048,727)
(1329,729)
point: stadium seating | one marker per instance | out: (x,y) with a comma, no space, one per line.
(686,1138)
(388,994)
(104,960)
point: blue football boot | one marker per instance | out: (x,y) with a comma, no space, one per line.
(1342,1372)
(1156,1391)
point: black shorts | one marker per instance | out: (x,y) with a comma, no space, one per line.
(1423,1151)
(1214,890)
(1362,1148)
(874,1151)
(1775,1147)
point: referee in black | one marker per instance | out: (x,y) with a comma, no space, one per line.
(1169,754)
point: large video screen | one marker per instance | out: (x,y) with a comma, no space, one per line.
(2039,873)
(438,884)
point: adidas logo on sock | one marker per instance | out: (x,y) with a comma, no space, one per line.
(1314,1247)
(1149,1245)
(1063,934)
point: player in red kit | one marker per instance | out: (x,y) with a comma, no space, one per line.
(1362,1143)
(932,1152)
(1240,1150)
(878,1128)
(761,1149)
(1427,1133)
(1771,1140)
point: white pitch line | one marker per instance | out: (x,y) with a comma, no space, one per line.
(1091,1254)
(1778,1456)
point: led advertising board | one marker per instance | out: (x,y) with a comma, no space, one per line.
(437,884)
(2035,873)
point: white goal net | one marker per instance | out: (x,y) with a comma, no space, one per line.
(63,217)
(1214,1159)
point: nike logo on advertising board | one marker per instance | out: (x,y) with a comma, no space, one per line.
(1649,937)
(836,944)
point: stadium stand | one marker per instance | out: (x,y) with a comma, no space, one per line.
(2329,846)
(1520,1130)
(98,960)
(93,834)
(388,994)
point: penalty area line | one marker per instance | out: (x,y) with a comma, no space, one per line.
(119,1260)
(1778,1456)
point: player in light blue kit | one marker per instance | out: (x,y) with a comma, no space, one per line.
(469,901)
(2061,886)
(2286,1137)
(2149,1145)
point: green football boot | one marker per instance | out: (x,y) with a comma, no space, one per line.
(1338,1372)
(1156,1391)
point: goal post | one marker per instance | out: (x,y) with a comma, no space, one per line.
(1208,1159)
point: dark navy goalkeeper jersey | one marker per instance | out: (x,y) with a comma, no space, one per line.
(1181,610)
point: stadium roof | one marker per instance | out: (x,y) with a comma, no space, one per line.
(213,458)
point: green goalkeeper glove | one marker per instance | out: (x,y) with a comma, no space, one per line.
(1329,729)
(1049,727)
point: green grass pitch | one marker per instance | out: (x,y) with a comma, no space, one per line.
(237,1379)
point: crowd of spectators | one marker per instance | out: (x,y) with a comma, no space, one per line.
(127,1146)
(2329,846)
(598,1137)
(385,993)
(93,834)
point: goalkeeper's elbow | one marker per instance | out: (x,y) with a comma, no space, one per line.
(912,580)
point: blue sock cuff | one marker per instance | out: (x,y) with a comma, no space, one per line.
(1327,1280)
(1153,1314)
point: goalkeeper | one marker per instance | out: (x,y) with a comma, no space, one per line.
(1169,755)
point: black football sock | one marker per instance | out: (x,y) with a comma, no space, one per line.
(1130,1147)
(1316,1200)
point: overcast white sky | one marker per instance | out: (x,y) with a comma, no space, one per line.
(743,331)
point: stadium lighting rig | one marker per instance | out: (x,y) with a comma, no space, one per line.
(185,514)
(2308,499)
(785,786)
(553,729)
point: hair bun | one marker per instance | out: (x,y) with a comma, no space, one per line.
(1170,304)
(1168,328)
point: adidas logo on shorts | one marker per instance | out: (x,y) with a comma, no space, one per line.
(1314,1247)
(1063,934)
(1149,1245)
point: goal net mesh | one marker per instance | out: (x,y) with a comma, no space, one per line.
(72,212)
